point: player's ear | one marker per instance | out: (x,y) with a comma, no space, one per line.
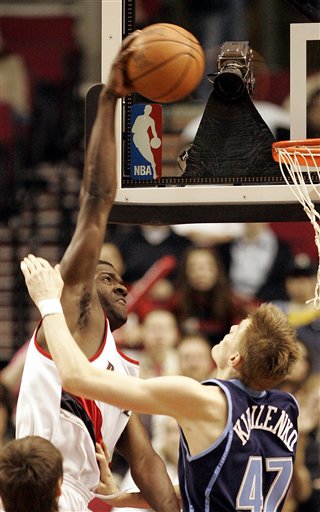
(236,361)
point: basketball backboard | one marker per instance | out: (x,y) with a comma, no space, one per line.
(284,36)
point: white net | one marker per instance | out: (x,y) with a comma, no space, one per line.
(301,164)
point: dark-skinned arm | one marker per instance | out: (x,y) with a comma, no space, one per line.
(99,179)
(147,468)
(83,310)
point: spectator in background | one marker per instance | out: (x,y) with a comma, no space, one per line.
(300,282)
(194,354)
(205,302)
(257,263)
(15,83)
(159,338)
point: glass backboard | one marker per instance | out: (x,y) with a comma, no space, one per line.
(284,37)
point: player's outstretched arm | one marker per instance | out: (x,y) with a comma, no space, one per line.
(99,179)
(162,395)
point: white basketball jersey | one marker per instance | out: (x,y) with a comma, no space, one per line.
(71,423)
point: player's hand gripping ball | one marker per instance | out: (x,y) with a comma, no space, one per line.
(167,63)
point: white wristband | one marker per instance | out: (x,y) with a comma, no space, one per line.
(49,307)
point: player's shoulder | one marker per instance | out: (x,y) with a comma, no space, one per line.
(283,396)
(279,393)
(217,391)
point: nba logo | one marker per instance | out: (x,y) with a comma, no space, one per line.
(146,142)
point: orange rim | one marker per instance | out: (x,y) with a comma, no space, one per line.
(305,151)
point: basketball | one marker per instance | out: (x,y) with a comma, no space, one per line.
(167,63)
(155,142)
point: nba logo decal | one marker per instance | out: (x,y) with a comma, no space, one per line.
(146,142)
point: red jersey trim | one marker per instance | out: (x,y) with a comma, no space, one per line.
(48,356)
(103,344)
(127,358)
(40,349)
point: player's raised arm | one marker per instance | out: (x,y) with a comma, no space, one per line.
(81,303)
(99,179)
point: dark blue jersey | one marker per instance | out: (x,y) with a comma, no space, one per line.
(249,468)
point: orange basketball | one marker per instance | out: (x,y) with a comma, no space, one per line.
(167,64)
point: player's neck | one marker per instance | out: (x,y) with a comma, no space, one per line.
(227,373)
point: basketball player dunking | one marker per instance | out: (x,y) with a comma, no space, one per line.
(94,299)
(238,440)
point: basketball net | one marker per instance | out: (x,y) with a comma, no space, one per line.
(300,159)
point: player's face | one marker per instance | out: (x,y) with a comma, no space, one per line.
(230,344)
(112,294)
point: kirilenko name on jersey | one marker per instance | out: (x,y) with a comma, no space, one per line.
(269,418)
